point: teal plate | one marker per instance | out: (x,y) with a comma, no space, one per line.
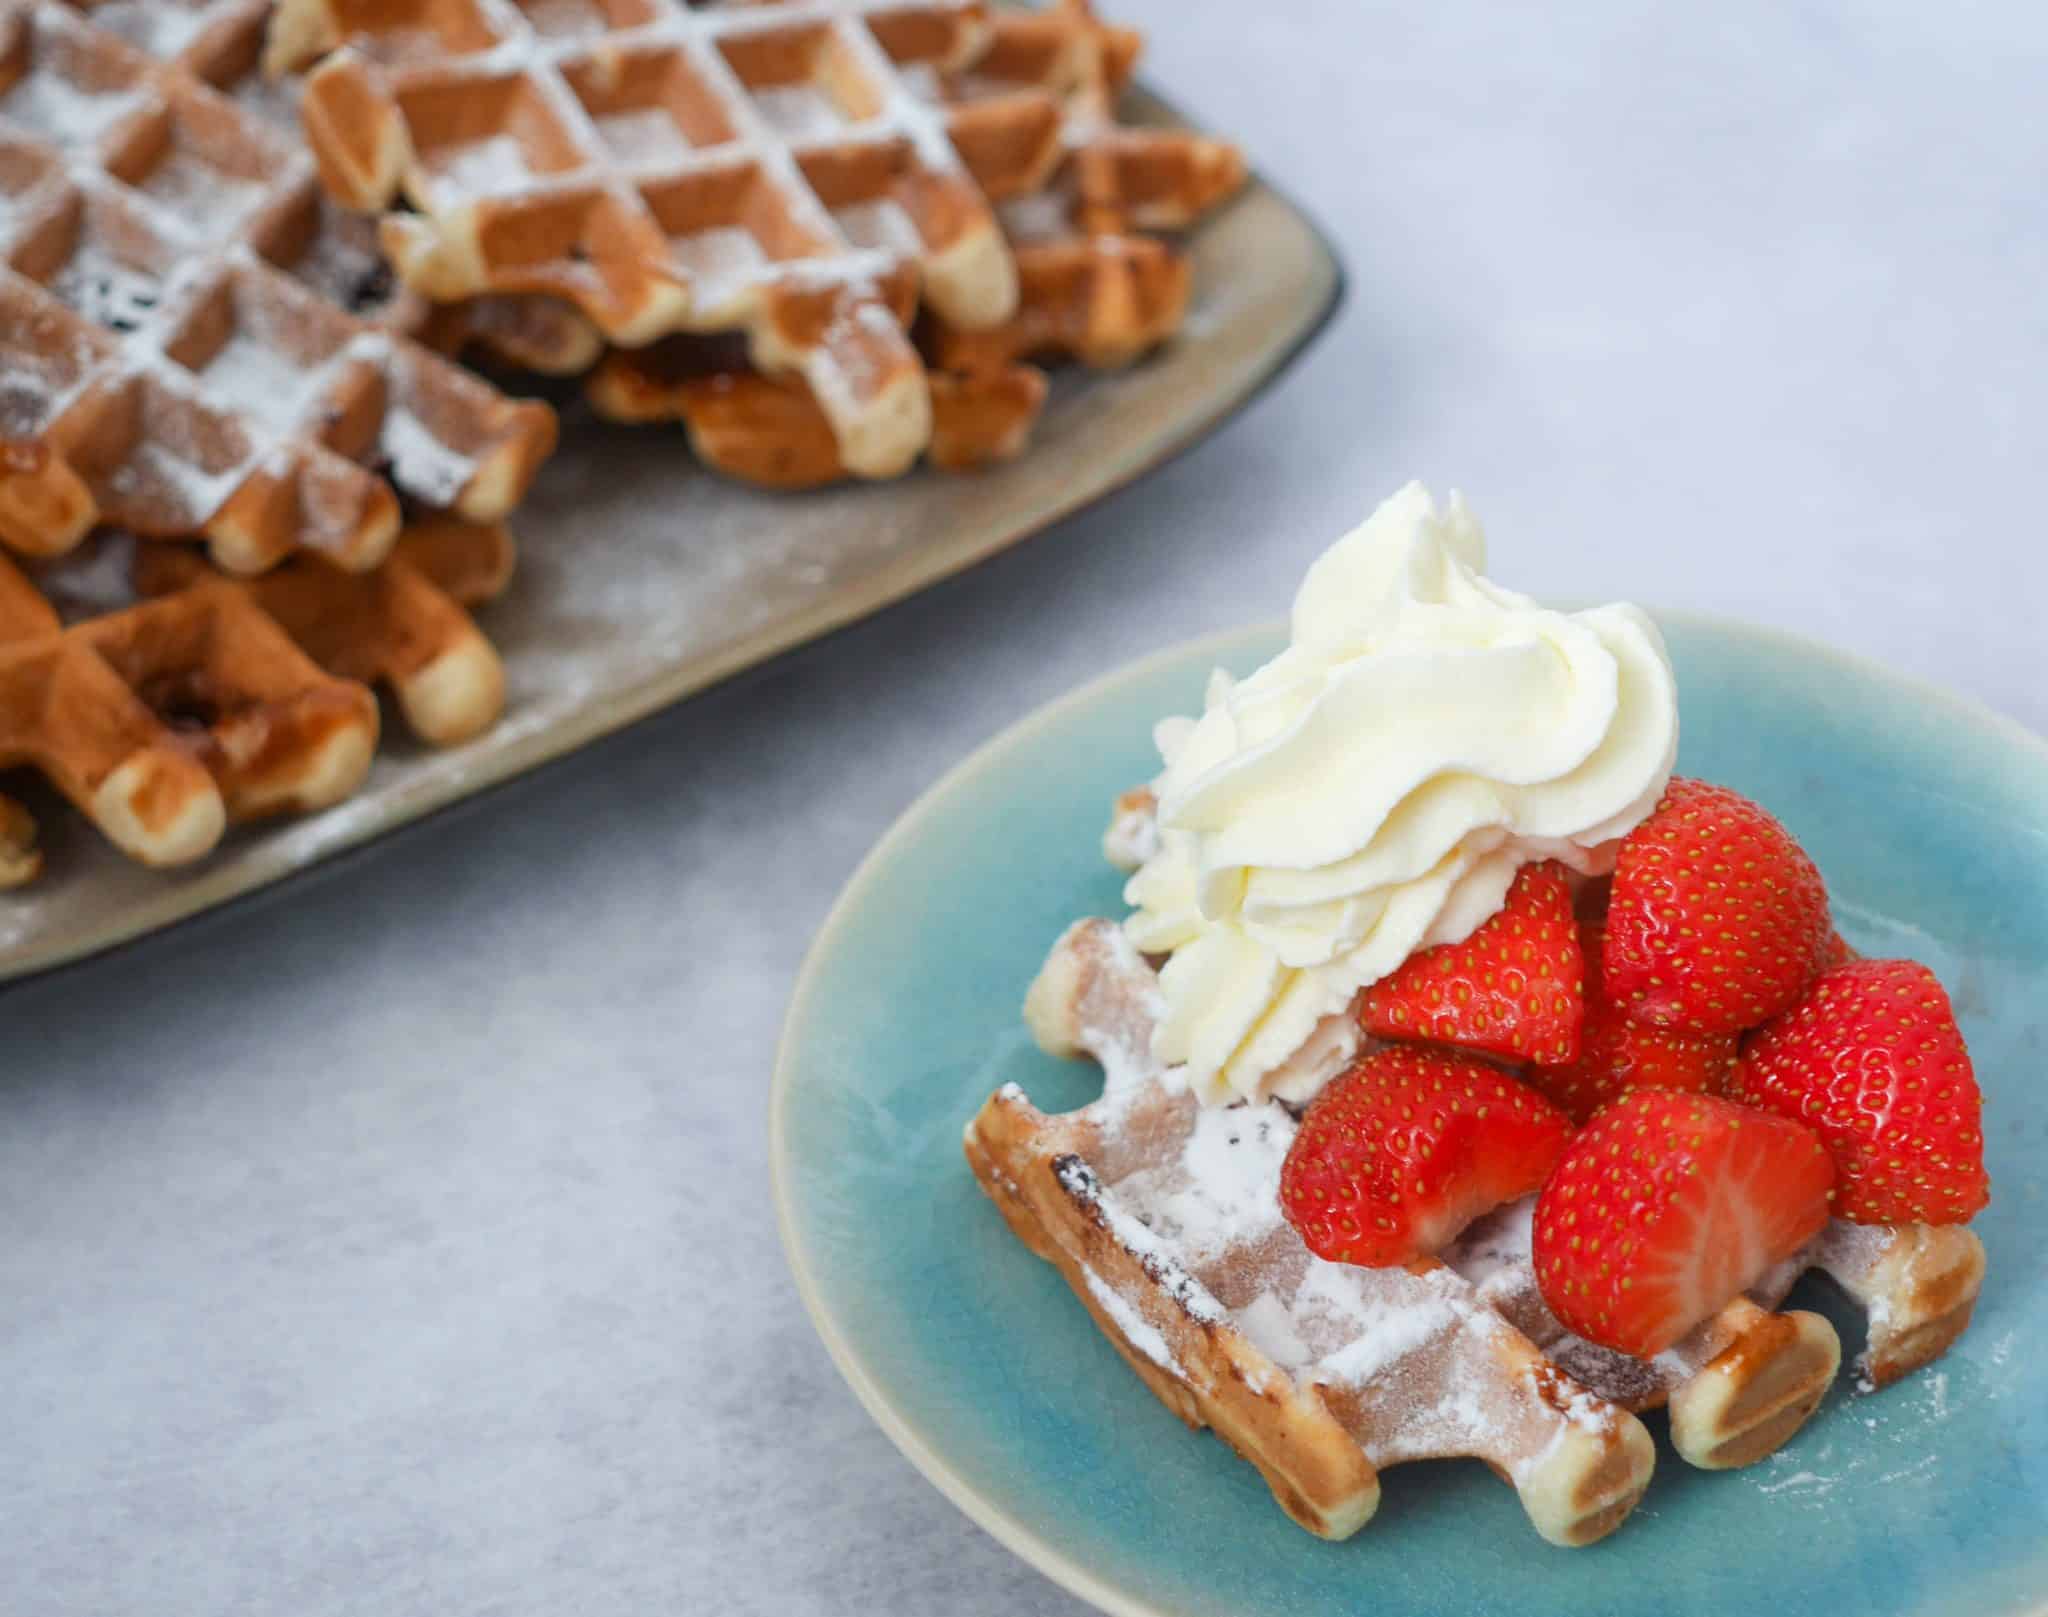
(1930,820)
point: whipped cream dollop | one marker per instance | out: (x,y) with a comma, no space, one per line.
(1373,789)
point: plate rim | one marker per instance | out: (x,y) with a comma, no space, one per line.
(1007,1529)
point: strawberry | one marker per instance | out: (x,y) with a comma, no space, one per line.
(1409,1145)
(1872,1058)
(1837,951)
(1665,1206)
(1618,1053)
(1717,918)
(1514,988)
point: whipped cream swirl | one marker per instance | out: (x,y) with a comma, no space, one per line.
(1373,790)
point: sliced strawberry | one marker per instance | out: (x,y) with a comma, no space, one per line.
(1618,1053)
(1514,988)
(1871,1057)
(1407,1147)
(1717,918)
(1665,1206)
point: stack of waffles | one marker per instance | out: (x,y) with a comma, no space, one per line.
(241,240)
(826,235)
(194,345)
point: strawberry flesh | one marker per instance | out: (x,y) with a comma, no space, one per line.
(1665,1207)
(1408,1146)
(1514,988)
(1872,1058)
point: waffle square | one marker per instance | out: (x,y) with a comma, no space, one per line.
(182,322)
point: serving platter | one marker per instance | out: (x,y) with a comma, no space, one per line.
(644,579)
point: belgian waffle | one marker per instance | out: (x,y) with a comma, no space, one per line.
(806,172)
(221,699)
(1917,1284)
(221,43)
(1194,1191)
(1092,286)
(404,626)
(175,319)
(1164,1217)
(755,169)
(162,721)
(1095,284)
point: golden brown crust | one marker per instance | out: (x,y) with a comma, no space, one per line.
(403,625)
(218,699)
(162,721)
(1317,1472)
(773,433)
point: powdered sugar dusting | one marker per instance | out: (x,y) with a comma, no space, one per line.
(487,167)
(106,291)
(642,135)
(882,225)
(1140,1332)
(719,261)
(158,27)
(1805,1481)
(799,111)
(421,463)
(63,111)
(1269,1325)
(1332,1302)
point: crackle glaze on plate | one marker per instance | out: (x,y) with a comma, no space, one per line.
(643,579)
(1929,819)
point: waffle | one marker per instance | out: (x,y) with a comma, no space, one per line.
(1091,286)
(221,43)
(404,626)
(1168,1224)
(754,169)
(222,699)
(771,431)
(179,351)
(162,721)
(1917,1285)
(1321,1374)
(805,172)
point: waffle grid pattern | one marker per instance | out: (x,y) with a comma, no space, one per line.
(762,169)
(175,329)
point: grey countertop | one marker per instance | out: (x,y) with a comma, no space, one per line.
(401,1243)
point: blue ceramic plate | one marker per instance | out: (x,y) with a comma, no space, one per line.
(1930,821)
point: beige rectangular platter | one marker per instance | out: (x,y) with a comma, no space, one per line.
(643,579)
